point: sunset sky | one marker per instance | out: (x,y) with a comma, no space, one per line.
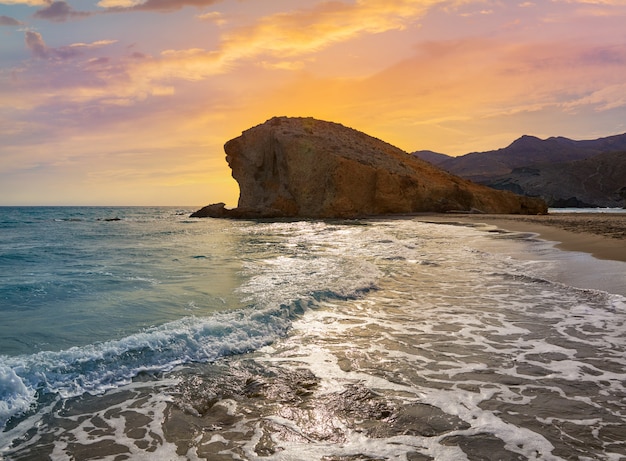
(129,102)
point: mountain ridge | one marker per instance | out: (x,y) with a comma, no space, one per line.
(555,169)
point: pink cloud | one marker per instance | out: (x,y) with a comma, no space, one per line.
(38,48)
(60,11)
(9,21)
(36,45)
(153,5)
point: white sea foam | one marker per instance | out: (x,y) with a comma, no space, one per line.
(98,367)
(15,395)
(505,335)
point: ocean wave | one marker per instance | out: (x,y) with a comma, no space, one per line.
(98,367)
(277,295)
(15,396)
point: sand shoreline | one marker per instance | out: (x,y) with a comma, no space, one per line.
(599,234)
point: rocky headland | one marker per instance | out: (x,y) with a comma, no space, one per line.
(308,168)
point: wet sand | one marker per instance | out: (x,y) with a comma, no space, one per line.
(599,234)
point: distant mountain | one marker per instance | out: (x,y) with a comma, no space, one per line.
(432,157)
(562,171)
(526,151)
(599,181)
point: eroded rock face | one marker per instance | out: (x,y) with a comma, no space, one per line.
(303,167)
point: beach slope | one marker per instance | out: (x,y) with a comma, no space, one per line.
(600,234)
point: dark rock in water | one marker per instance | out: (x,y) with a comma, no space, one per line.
(307,168)
(216,210)
(476,445)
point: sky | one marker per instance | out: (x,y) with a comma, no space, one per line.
(129,102)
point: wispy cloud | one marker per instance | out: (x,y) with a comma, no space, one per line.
(37,46)
(95,44)
(281,40)
(25,2)
(309,30)
(213,16)
(476,13)
(607,98)
(466,82)
(278,41)
(61,10)
(153,5)
(596,2)
(287,41)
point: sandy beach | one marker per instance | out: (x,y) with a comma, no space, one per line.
(599,234)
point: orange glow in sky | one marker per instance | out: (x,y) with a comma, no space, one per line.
(129,102)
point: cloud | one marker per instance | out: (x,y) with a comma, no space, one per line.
(163,6)
(25,2)
(596,2)
(36,45)
(481,76)
(60,11)
(475,13)
(283,42)
(214,16)
(604,56)
(8,21)
(38,48)
(95,44)
(466,82)
(607,98)
(278,41)
(306,31)
(106,86)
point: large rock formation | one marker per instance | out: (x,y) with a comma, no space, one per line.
(302,167)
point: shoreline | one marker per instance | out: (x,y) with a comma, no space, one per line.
(588,251)
(598,234)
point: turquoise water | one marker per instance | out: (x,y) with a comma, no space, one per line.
(70,277)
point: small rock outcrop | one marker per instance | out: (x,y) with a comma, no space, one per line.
(308,168)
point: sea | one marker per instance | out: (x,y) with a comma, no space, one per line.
(139,333)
